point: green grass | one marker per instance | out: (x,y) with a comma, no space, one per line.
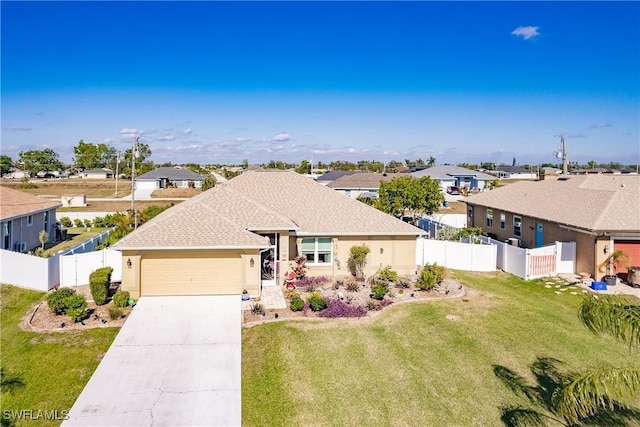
(75,236)
(412,365)
(48,370)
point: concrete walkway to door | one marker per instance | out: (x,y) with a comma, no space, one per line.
(176,362)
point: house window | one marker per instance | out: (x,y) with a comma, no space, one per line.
(46,221)
(489,217)
(503,220)
(29,220)
(517,226)
(317,250)
(470,215)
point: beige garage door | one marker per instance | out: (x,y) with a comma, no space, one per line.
(200,273)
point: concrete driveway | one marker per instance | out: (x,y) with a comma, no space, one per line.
(176,362)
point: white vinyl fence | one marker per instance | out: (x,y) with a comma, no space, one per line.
(66,268)
(76,268)
(29,271)
(557,258)
(460,256)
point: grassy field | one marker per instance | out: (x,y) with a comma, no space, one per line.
(421,364)
(44,371)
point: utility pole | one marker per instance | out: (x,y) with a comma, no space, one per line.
(134,151)
(565,163)
(117,164)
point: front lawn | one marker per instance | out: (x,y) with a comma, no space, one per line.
(44,371)
(428,363)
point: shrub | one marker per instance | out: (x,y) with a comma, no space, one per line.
(115,313)
(430,276)
(66,221)
(77,307)
(358,259)
(296,303)
(56,300)
(87,223)
(99,282)
(121,299)
(316,302)
(388,275)
(99,222)
(373,305)
(290,293)
(352,286)
(339,308)
(378,291)
(78,222)
(257,309)
(386,302)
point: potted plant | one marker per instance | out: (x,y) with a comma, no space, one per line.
(245,295)
(615,259)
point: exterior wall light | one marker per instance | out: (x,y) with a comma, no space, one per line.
(606,249)
(251,262)
(129,262)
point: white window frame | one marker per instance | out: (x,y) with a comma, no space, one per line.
(503,220)
(316,253)
(517,226)
(29,220)
(490,218)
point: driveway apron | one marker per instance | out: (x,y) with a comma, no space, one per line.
(175,362)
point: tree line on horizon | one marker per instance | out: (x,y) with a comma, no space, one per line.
(87,155)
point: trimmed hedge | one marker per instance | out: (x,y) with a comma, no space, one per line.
(121,299)
(99,282)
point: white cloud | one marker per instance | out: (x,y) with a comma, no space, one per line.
(166,137)
(20,128)
(107,140)
(187,131)
(526,32)
(601,126)
(129,131)
(281,137)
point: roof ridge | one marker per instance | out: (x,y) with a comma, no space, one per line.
(260,205)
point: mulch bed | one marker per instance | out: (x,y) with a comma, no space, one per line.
(40,318)
(448,289)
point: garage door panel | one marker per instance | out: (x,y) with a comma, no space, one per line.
(207,273)
(632,249)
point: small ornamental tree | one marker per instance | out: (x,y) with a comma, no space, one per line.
(358,260)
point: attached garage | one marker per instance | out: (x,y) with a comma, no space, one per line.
(632,249)
(191,273)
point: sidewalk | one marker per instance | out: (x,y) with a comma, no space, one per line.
(620,288)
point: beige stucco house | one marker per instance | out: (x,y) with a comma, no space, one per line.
(601,213)
(22,217)
(245,233)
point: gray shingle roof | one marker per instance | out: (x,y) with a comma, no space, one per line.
(259,200)
(361,181)
(449,171)
(172,174)
(591,202)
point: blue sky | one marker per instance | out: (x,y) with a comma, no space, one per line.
(219,82)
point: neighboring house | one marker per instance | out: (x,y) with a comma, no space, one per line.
(601,213)
(366,184)
(594,171)
(23,217)
(101,173)
(17,174)
(513,172)
(455,176)
(167,177)
(331,176)
(245,233)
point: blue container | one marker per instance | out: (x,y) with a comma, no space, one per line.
(446,204)
(599,286)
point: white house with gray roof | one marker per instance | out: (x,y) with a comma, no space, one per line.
(244,234)
(166,177)
(455,176)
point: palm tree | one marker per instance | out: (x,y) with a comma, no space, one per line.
(584,394)
(431,162)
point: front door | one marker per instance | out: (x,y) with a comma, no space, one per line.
(539,234)
(269,261)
